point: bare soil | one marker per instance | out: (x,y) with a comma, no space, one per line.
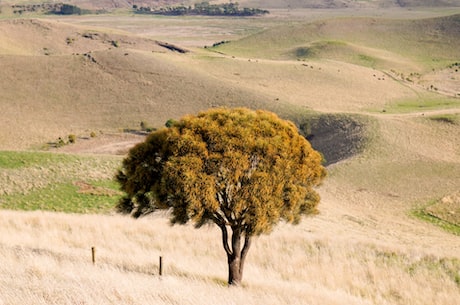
(106,143)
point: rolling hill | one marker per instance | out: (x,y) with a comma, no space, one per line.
(367,41)
(377,96)
(58,79)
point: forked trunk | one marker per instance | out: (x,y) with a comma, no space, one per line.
(236,254)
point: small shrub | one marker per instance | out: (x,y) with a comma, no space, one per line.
(72,138)
(220,43)
(169,123)
(92,134)
(145,127)
(60,142)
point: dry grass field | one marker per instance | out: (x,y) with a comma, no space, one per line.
(46,259)
(388,229)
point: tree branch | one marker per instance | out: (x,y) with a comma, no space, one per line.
(221,223)
(225,240)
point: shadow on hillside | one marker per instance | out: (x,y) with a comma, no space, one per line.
(337,137)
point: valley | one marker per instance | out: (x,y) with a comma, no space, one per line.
(375,88)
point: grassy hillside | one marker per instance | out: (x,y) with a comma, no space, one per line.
(392,54)
(381,98)
(379,43)
(74,81)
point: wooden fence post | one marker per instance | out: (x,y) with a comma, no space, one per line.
(93,255)
(160,267)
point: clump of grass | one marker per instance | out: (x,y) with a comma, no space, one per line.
(72,138)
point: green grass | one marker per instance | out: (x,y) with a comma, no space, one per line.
(16,160)
(422,104)
(422,214)
(334,50)
(58,182)
(366,60)
(64,197)
(447,266)
(453,119)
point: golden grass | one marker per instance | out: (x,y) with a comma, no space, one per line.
(46,258)
(323,85)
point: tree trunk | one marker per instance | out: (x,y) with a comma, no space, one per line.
(236,256)
(235,273)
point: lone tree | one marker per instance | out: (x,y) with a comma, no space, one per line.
(242,170)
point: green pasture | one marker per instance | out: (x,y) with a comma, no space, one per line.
(18,159)
(64,197)
(427,103)
(57,182)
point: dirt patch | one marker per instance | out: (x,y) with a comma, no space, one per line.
(337,137)
(110,144)
(89,189)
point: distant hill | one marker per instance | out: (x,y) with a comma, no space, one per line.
(331,4)
(292,4)
(378,43)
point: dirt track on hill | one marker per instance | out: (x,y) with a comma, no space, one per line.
(109,144)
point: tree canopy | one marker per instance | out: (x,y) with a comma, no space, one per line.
(242,170)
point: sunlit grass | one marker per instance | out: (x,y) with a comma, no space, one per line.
(422,214)
(290,266)
(444,213)
(453,119)
(421,104)
(64,197)
(57,182)
(17,159)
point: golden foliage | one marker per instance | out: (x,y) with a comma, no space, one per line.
(237,167)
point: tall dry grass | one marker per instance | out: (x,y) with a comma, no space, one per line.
(46,259)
